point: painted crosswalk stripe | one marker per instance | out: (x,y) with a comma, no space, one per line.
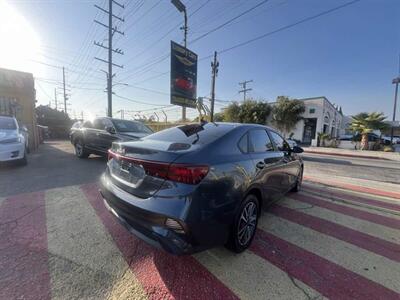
(23,248)
(84,262)
(162,276)
(367,264)
(353,187)
(353,212)
(351,197)
(360,239)
(330,279)
(251,277)
(376,230)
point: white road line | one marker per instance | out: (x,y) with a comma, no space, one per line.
(251,277)
(84,262)
(372,266)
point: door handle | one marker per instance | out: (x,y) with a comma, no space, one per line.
(260,165)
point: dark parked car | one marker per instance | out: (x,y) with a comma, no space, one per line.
(98,135)
(192,187)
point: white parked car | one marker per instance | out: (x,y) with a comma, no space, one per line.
(12,141)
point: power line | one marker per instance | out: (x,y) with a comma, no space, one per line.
(229,21)
(289,26)
(135,101)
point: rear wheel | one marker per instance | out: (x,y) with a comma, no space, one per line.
(244,227)
(80,150)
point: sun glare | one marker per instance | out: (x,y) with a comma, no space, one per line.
(19,42)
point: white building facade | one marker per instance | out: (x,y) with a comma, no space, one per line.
(320,116)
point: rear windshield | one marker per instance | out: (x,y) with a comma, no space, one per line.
(7,123)
(192,133)
(130,126)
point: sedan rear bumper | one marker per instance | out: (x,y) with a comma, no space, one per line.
(146,225)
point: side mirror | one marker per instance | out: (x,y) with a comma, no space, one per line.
(297,149)
(110,129)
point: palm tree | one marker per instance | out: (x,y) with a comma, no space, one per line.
(322,136)
(364,123)
(287,113)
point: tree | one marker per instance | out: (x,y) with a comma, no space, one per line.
(322,137)
(250,111)
(287,113)
(364,123)
(58,122)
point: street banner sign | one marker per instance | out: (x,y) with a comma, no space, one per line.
(183,76)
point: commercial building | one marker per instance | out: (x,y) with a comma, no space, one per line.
(320,115)
(17,98)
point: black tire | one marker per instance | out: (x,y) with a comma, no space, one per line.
(299,181)
(23,161)
(243,231)
(80,150)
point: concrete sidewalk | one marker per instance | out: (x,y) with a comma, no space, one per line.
(353,153)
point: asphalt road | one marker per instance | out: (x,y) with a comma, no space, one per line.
(53,165)
(370,169)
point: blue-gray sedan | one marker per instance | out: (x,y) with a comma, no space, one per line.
(196,186)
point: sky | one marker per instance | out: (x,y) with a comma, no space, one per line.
(349,55)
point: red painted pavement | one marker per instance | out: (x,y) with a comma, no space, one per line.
(349,211)
(329,279)
(23,248)
(356,188)
(346,196)
(162,276)
(359,239)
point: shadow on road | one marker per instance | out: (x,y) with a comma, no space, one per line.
(52,165)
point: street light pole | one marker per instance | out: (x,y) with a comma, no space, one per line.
(395,81)
(182,8)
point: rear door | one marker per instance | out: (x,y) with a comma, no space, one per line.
(268,163)
(290,166)
(105,138)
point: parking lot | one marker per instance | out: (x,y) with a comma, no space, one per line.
(338,238)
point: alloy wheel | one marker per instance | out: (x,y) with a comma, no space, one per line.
(247,223)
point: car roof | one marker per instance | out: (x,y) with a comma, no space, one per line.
(7,117)
(249,125)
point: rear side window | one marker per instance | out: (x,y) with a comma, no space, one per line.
(243,144)
(260,141)
(192,133)
(279,141)
(98,124)
(87,124)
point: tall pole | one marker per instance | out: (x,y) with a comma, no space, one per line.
(65,95)
(244,90)
(110,74)
(185,29)
(55,98)
(214,71)
(395,81)
(109,61)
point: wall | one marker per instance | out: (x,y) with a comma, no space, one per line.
(18,88)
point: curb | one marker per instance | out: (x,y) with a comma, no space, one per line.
(347,155)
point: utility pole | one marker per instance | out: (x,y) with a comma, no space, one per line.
(214,72)
(65,95)
(109,48)
(182,8)
(55,98)
(395,81)
(244,90)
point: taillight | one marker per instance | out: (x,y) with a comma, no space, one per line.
(187,174)
(184,173)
